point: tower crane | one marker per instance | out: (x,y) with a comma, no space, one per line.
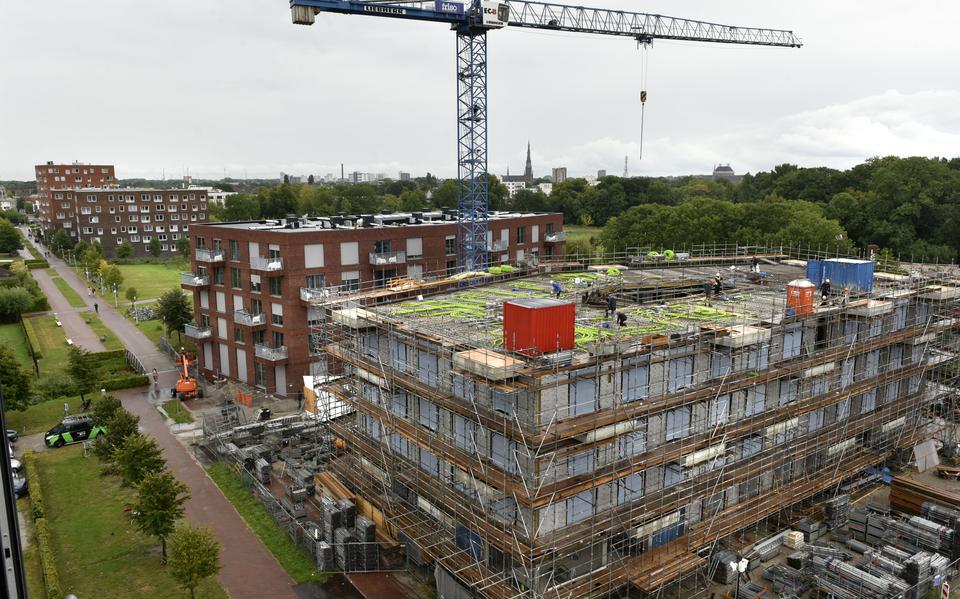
(471,20)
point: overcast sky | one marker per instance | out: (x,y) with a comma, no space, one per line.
(233,87)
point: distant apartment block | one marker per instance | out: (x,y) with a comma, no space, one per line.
(52,177)
(256,284)
(559,174)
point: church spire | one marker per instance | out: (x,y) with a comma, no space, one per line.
(528,171)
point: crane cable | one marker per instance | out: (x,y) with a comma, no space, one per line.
(644,69)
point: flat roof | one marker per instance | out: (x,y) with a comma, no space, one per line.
(362,221)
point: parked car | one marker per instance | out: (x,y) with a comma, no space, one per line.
(12,435)
(73,429)
(20,486)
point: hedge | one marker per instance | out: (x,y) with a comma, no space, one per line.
(36,494)
(125,381)
(32,338)
(101,357)
(40,304)
(34,264)
(51,577)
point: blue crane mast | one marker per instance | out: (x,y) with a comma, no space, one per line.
(472,19)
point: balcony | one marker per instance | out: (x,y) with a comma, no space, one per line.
(266,264)
(274,354)
(242,317)
(194,331)
(205,255)
(557,237)
(188,279)
(388,258)
(499,245)
(309,295)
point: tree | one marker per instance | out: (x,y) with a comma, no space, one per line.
(120,425)
(241,207)
(112,276)
(105,408)
(286,179)
(81,370)
(135,457)
(125,250)
(131,295)
(310,180)
(91,259)
(194,555)
(183,246)
(155,246)
(160,499)
(16,381)
(61,242)
(14,301)
(10,240)
(175,311)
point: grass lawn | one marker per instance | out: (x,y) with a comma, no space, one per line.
(31,554)
(101,331)
(39,418)
(151,280)
(98,550)
(12,338)
(67,291)
(294,560)
(53,345)
(153,329)
(581,232)
(174,409)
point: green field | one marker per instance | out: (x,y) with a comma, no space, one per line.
(101,331)
(40,417)
(98,550)
(53,345)
(294,560)
(67,291)
(153,329)
(151,280)
(175,410)
(11,337)
(581,232)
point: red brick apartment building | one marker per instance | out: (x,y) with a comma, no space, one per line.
(137,215)
(52,177)
(253,282)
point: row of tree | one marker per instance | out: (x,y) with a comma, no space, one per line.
(138,461)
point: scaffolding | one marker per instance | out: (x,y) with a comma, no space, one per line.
(621,466)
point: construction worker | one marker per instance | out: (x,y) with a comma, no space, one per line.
(556,288)
(611,306)
(708,287)
(825,289)
(717,284)
(755,265)
(621,319)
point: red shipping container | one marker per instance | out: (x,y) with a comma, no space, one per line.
(538,326)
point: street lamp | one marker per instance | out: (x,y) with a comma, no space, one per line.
(739,567)
(116,298)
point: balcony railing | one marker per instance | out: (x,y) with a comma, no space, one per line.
(191,280)
(556,237)
(197,332)
(387,258)
(242,317)
(271,353)
(267,264)
(499,245)
(310,295)
(205,255)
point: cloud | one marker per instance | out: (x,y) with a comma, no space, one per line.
(838,135)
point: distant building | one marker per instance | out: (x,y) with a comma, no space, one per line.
(546,188)
(601,173)
(404,176)
(7,202)
(514,183)
(52,177)
(358,177)
(528,168)
(559,175)
(723,171)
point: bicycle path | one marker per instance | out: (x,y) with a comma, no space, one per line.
(249,570)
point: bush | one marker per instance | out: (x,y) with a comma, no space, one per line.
(36,494)
(34,264)
(48,561)
(40,304)
(125,381)
(54,387)
(32,337)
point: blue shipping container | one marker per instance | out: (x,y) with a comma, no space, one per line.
(856,275)
(815,271)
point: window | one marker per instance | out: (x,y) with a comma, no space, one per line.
(792,339)
(635,382)
(846,373)
(276,286)
(276,316)
(429,462)
(678,423)
(681,373)
(673,474)
(581,463)
(350,280)
(843,409)
(463,387)
(720,364)
(427,362)
(501,452)
(521,234)
(718,410)
(815,421)
(872,364)
(258,377)
(900,317)
(254,283)
(450,245)
(235,280)
(398,354)
(868,401)
(789,390)
(758,357)
(315,281)
(277,338)
(752,445)
(218,275)
(632,443)
(580,506)
(464,433)
(876,328)
(504,402)
(398,404)
(582,396)
(429,414)
(238,335)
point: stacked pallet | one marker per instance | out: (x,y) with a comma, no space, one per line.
(837,510)
(908,496)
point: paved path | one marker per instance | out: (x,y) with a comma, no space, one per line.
(74,325)
(249,569)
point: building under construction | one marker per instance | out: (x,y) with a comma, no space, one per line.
(524,437)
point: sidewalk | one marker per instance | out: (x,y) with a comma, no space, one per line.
(249,569)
